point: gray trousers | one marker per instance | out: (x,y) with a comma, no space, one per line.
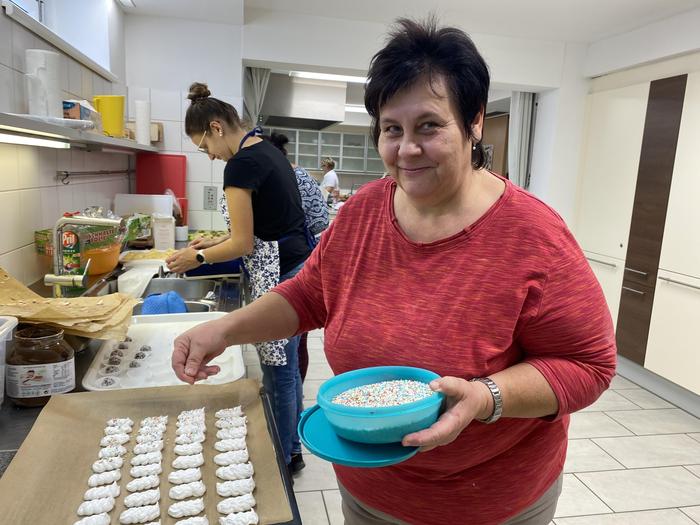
(539,513)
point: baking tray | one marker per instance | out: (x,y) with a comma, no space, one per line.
(46,480)
(158,332)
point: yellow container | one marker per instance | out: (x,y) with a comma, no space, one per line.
(111,107)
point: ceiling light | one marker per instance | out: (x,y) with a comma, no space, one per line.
(328,76)
(33,141)
(129,4)
(355,108)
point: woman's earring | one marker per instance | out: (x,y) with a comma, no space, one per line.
(473,147)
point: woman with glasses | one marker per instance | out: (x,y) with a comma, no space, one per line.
(266,221)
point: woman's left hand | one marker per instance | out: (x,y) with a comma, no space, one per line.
(465,401)
(183,260)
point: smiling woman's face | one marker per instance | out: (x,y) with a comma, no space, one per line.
(423,144)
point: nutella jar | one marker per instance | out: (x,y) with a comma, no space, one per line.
(39,365)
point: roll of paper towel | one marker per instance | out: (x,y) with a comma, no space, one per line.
(44,83)
(143,122)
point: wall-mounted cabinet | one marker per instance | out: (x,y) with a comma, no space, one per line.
(609,272)
(352,152)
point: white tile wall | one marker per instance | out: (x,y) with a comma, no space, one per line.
(30,197)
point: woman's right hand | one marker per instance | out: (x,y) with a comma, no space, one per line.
(195,348)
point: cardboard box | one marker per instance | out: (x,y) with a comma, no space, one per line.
(82,110)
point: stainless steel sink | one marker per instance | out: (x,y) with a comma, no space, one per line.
(189,290)
(192,306)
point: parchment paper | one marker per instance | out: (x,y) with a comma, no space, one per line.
(45,483)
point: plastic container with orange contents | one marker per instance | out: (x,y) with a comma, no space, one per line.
(103,260)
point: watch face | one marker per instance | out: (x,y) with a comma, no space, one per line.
(200,257)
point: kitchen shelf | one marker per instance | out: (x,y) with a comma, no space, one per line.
(79,138)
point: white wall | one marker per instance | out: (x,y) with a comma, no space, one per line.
(558,136)
(674,36)
(170,54)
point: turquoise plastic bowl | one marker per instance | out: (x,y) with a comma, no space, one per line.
(378,424)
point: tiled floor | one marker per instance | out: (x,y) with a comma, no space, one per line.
(633,459)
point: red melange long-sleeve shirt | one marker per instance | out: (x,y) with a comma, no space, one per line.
(512,287)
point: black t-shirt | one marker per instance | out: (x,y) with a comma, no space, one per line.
(277,211)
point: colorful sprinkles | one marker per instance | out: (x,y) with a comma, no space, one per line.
(384,394)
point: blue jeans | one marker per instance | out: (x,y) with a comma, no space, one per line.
(283,384)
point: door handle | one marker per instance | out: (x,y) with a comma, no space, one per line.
(602,262)
(679,282)
(636,271)
(627,289)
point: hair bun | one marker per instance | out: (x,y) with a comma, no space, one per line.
(198,91)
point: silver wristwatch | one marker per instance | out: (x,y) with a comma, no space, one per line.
(497,399)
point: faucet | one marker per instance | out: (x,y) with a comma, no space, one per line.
(58,279)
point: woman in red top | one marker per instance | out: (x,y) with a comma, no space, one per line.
(446,266)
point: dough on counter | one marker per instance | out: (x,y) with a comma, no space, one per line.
(114,439)
(225,445)
(197,520)
(147,459)
(232,457)
(237,487)
(184,462)
(187,490)
(188,449)
(196,437)
(106,464)
(97,519)
(191,428)
(183,509)
(111,430)
(119,422)
(143,483)
(237,504)
(229,412)
(145,470)
(232,433)
(104,478)
(230,422)
(139,499)
(105,491)
(189,475)
(249,517)
(111,452)
(151,446)
(239,471)
(139,514)
(96,506)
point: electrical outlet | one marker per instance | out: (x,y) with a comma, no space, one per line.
(210,197)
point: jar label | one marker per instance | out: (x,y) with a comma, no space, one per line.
(40,380)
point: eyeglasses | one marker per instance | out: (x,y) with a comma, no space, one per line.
(199,146)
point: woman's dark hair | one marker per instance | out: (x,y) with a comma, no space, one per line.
(205,108)
(278,140)
(417,51)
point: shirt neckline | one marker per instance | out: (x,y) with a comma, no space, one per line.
(447,242)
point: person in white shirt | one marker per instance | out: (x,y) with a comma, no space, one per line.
(330,182)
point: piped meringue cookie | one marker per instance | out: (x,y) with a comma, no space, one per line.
(197,520)
(226,413)
(249,517)
(143,483)
(194,437)
(139,499)
(236,504)
(183,509)
(140,471)
(147,459)
(96,506)
(238,471)
(188,449)
(104,478)
(231,422)
(111,452)
(106,464)
(117,429)
(232,457)
(114,439)
(96,519)
(139,514)
(177,477)
(225,445)
(104,491)
(194,489)
(185,462)
(232,433)
(236,487)
(150,446)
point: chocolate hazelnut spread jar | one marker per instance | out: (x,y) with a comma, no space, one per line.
(39,365)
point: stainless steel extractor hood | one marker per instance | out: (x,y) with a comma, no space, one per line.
(292,102)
